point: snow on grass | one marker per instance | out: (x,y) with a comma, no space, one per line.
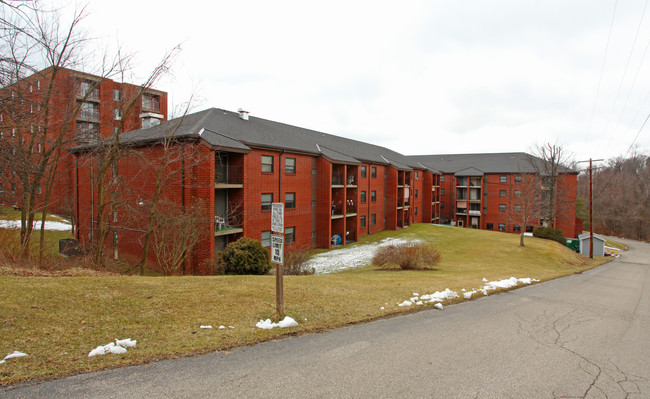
(285,323)
(15,224)
(116,348)
(350,257)
(440,296)
(13,355)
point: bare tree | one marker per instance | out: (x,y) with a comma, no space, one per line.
(549,163)
(526,202)
(33,42)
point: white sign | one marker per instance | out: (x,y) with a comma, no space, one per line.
(277,217)
(277,249)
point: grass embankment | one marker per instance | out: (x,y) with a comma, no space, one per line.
(58,321)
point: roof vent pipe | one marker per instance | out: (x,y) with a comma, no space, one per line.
(243,114)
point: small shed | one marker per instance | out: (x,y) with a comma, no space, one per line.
(599,244)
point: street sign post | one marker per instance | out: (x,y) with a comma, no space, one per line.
(277,252)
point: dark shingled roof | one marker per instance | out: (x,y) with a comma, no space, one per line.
(506,162)
(225,130)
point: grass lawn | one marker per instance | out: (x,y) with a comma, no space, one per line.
(58,321)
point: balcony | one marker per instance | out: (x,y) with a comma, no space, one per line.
(225,226)
(352,181)
(474,213)
(87,132)
(85,93)
(337,210)
(351,208)
(337,181)
(461,211)
(150,103)
(91,114)
(227,176)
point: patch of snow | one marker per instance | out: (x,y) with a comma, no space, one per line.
(268,324)
(116,348)
(440,296)
(382,308)
(419,303)
(13,355)
(438,306)
(222,327)
(351,257)
(15,224)
(205,327)
(288,322)
(484,279)
(405,303)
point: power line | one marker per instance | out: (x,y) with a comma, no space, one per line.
(602,69)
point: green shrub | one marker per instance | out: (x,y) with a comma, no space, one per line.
(409,256)
(295,263)
(550,233)
(244,256)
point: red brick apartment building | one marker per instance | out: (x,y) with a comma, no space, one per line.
(335,190)
(83,106)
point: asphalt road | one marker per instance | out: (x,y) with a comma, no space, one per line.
(587,335)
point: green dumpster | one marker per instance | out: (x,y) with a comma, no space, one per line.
(574,244)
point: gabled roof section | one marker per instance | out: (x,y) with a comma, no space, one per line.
(469,172)
(336,156)
(222,142)
(397,165)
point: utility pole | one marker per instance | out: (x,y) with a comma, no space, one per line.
(591,197)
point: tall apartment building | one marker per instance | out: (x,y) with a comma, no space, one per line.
(35,110)
(334,189)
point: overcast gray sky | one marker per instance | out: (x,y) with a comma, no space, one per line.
(418,76)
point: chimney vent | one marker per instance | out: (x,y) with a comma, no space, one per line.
(243,114)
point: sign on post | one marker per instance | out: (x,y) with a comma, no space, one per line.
(277,217)
(277,249)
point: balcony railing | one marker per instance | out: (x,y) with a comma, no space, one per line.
(337,208)
(88,94)
(224,223)
(229,175)
(337,180)
(150,103)
(89,113)
(474,213)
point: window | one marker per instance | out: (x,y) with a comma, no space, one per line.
(517,208)
(516,228)
(290,200)
(267,164)
(364,172)
(416,193)
(267,200)
(116,95)
(116,130)
(117,115)
(290,166)
(373,172)
(529,229)
(442,205)
(416,175)
(502,227)
(442,191)
(416,211)
(502,193)
(363,221)
(363,197)
(266,238)
(289,234)
(314,172)
(373,219)
(38,147)
(373,196)
(313,203)
(518,193)
(31,88)
(502,207)
(490,226)
(503,179)
(442,179)
(518,179)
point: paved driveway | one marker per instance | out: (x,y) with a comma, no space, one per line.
(587,335)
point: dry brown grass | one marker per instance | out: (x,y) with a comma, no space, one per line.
(57,321)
